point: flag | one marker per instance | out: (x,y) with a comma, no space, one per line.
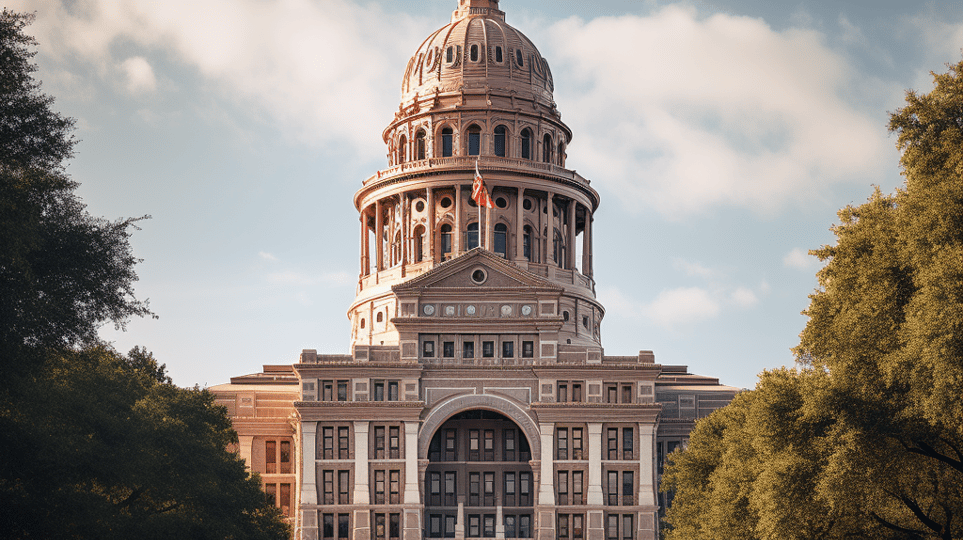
(479,193)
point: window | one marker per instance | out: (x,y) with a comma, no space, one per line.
(445,241)
(434,488)
(447,138)
(386,526)
(394,487)
(474,53)
(508,442)
(392,390)
(343,485)
(271,457)
(518,57)
(379,442)
(563,487)
(562,396)
(473,445)
(626,393)
(528,349)
(448,349)
(577,392)
(419,239)
(611,393)
(474,488)
(613,443)
(561,443)
(327,387)
(327,487)
(577,488)
(450,489)
(628,486)
(525,526)
(428,349)
(488,349)
(547,149)
(451,445)
(474,526)
(511,527)
(615,522)
(471,236)
(489,522)
(527,242)
(577,443)
(501,239)
(328,529)
(628,437)
(420,147)
(379,487)
(489,479)
(394,442)
(571,526)
(509,489)
(474,141)
(450,55)
(612,489)
(524,490)
(498,54)
(508,349)
(526,142)
(500,134)
(327,444)
(558,248)
(379,391)
(342,390)
(489,448)
(343,443)
(402,149)
(468,349)
(560,155)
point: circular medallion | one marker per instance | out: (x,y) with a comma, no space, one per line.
(449,310)
(470,310)
(506,310)
(429,309)
(526,310)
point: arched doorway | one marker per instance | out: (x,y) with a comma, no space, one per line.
(479,458)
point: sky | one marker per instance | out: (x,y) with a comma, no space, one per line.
(723,136)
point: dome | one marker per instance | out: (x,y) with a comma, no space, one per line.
(478,51)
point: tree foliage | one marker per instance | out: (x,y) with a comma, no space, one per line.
(879,453)
(93,444)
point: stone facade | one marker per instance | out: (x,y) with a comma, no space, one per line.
(477,400)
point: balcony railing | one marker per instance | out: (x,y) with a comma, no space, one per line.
(484,163)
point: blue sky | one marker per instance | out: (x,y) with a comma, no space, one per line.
(723,136)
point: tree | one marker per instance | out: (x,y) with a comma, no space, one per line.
(871,438)
(63,273)
(112,449)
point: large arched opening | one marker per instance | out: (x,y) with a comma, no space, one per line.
(479,458)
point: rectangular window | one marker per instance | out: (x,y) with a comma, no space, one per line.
(327,394)
(489,479)
(393,391)
(488,349)
(563,487)
(285,457)
(379,442)
(525,526)
(611,393)
(474,526)
(342,390)
(626,393)
(561,436)
(446,140)
(380,526)
(451,445)
(448,349)
(394,526)
(509,489)
(489,447)
(449,526)
(524,490)
(563,530)
(270,457)
(271,494)
(562,396)
(577,392)
(528,349)
(328,487)
(379,393)
(511,527)
(328,443)
(578,529)
(344,449)
(613,444)
(428,349)
(473,442)
(468,349)
(489,522)
(612,527)
(344,483)
(379,487)
(344,529)
(508,349)
(577,497)
(450,489)
(627,488)
(327,527)
(394,442)
(508,438)
(628,452)
(612,489)
(394,487)
(474,488)
(627,532)
(434,489)
(577,443)
(474,142)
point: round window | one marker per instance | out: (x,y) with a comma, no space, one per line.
(420,206)
(445,202)
(501,202)
(527,205)
(479,276)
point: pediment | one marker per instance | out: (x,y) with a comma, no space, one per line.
(478,270)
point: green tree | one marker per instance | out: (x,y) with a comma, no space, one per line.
(109,448)
(866,439)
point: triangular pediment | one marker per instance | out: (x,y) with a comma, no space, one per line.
(477,269)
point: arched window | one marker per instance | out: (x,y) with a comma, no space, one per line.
(518,57)
(527,242)
(402,149)
(419,253)
(526,143)
(450,55)
(447,139)
(471,235)
(445,241)
(501,239)
(547,149)
(420,149)
(474,53)
(474,141)
(500,134)
(362,323)
(381,317)
(560,157)
(396,249)
(558,248)
(498,54)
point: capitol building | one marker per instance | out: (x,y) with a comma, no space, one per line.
(476,399)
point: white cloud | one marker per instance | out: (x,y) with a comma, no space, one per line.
(293,277)
(799,259)
(684,305)
(267,256)
(693,269)
(138,75)
(325,71)
(744,297)
(685,112)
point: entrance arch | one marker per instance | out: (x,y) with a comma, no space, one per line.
(455,405)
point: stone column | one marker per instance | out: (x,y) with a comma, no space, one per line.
(587,245)
(405,202)
(365,265)
(546,490)
(379,236)
(309,445)
(431,224)
(412,479)
(570,241)
(245,448)
(456,241)
(362,494)
(595,464)
(520,225)
(647,487)
(549,228)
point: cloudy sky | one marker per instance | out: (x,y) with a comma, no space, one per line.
(722,135)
